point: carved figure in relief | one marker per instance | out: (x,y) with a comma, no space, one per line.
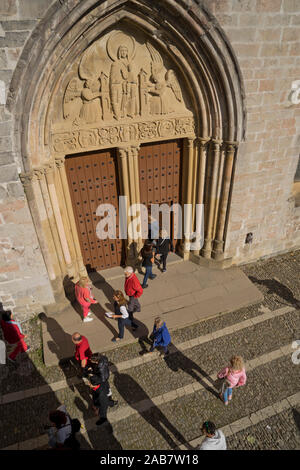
(72,99)
(91,108)
(161,80)
(123,86)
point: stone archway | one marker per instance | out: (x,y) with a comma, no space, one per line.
(182,82)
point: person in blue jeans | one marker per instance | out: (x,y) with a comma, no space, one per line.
(148,258)
(121,313)
(161,336)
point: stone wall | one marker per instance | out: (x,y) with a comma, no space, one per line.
(264,35)
(24,283)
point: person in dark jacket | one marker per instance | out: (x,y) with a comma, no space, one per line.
(161,336)
(163,246)
(147,254)
(100,399)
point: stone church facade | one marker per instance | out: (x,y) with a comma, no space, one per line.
(172,101)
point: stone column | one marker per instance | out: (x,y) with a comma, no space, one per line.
(124,180)
(135,157)
(39,215)
(218,251)
(202,155)
(189,191)
(60,163)
(49,171)
(210,207)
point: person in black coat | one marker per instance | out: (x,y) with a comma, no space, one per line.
(163,246)
(100,399)
(147,254)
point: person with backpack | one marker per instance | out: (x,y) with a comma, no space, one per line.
(121,313)
(63,430)
(102,370)
(100,399)
(163,246)
(234,376)
(147,254)
(13,335)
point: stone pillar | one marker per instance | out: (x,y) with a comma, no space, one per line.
(218,251)
(124,180)
(49,171)
(202,155)
(214,154)
(188,215)
(39,215)
(135,157)
(60,163)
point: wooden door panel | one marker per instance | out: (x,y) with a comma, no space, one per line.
(159,171)
(93,181)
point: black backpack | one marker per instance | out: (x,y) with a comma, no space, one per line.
(71,441)
(102,369)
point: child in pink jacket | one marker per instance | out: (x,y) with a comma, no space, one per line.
(234,375)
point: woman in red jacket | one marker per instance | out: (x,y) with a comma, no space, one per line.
(13,334)
(84,297)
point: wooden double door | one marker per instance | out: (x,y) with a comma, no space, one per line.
(93,180)
(160,168)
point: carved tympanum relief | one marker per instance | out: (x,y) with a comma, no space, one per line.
(120,90)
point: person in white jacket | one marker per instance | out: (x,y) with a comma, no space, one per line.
(215,439)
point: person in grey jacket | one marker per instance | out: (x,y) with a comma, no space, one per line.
(215,439)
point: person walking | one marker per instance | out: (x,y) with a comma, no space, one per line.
(61,433)
(163,246)
(234,376)
(83,352)
(133,290)
(84,297)
(121,313)
(215,439)
(13,335)
(101,401)
(102,370)
(161,336)
(147,254)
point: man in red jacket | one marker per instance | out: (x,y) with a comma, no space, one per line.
(83,351)
(133,290)
(13,334)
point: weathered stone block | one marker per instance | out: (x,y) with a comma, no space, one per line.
(3,193)
(5,128)
(5,144)
(8,173)
(13,39)
(8,7)
(3,59)
(291,5)
(26,25)
(15,190)
(268,5)
(291,34)
(6,158)
(33,8)
(266,85)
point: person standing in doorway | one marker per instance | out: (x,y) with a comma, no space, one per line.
(214,440)
(13,335)
(234,375)
(163,246)
(147,254)
(85,298)
(133,290)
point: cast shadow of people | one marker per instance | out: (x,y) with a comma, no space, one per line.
(296,416)
(133,394)
(64,349)
(276,287)
(100,438)
(176,360)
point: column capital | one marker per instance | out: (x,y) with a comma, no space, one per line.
(60,161)
(123,151)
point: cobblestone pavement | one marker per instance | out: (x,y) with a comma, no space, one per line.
(163,402)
